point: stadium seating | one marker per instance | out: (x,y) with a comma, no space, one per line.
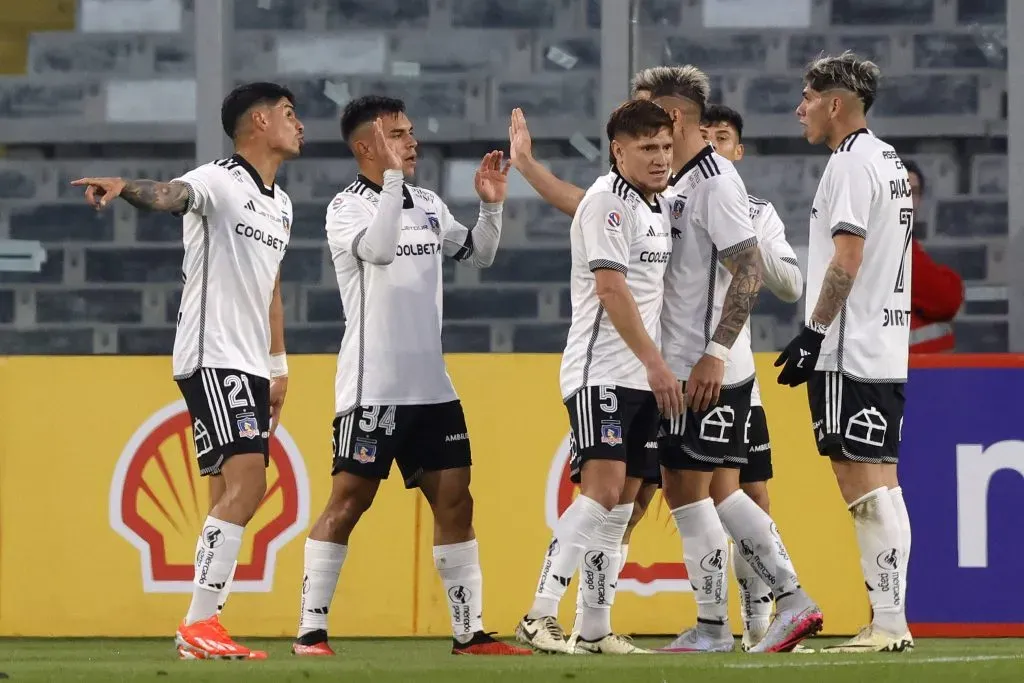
(82,103)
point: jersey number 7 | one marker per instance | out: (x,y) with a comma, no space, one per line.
(907,221)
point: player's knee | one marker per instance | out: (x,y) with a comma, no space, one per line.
(758,492)
(455,511)
(243,499)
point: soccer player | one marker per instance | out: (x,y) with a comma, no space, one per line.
(394,400)
(723,127)
(229,356)
(712,432)
(613,378)
(852,353)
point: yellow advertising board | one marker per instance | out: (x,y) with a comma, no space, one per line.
(100,504)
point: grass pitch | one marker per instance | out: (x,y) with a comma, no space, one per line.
(429,661)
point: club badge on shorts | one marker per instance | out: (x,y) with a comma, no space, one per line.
(248,428)
(365,451)
(611,432)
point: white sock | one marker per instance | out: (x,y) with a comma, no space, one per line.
(896,494)
(878,535)
(573,532)
(321,569)
(705,552)
(756,599)
(459,567)
(222,598)
(216,552)
(599,573)
(758,541)
(624,551)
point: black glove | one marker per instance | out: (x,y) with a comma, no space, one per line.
(800,357)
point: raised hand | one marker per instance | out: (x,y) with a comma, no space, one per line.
(519,141)
(491,179)
(386,149)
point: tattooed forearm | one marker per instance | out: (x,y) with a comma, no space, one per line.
(741,295)
(149,194)
(834,290)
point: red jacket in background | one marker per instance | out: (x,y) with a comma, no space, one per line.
(936,294)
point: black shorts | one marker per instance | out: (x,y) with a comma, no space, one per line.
(613,423)
(230,412)
(420,438)
(703,441)
(759,448)
(855,420)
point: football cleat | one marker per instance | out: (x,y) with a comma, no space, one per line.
(788,628)
(312,644)
(208,639)
(697,640)
(611,644)
(484,644)
(544,635)
(872,639)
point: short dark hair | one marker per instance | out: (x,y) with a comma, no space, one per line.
(245,97)
(719,113)
(637,118)
(845,72)
(365,109)
(912,167)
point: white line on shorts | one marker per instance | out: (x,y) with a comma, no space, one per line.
(863,662)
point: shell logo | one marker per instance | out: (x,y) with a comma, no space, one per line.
(158,503)
(653,537)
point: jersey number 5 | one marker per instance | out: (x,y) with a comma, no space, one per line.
(907,222)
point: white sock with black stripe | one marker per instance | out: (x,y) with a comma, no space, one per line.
(216,553)
(574,530)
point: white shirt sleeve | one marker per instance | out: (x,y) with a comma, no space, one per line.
(725,211)
(781,268)
(474,246)
(608,229)
(353,228)
(203,184)
(850,194)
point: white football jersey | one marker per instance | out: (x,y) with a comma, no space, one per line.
(710,221)
(235,231)
(865,191)
(614,227)
(771,235)
(391,351)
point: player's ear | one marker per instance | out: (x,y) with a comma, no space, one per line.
(616,149)
(739,151)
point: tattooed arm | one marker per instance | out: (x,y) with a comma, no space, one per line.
(172,197)
(839,278)
(745,266)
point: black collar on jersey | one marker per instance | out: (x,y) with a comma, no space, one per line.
(621,182)
(692,163)
(847,142)
(406,204)
(241,161)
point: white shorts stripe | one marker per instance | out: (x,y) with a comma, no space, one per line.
(218,396)
(343,448)
(215,402)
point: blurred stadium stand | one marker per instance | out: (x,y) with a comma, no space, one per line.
(76,102)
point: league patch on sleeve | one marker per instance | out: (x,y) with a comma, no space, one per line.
(614,220)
